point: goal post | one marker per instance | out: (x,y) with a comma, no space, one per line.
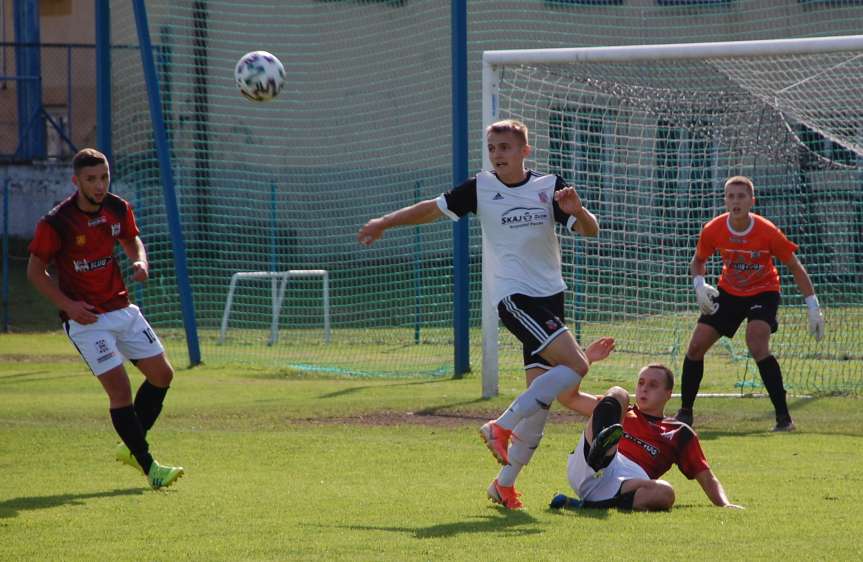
(278,286)
(648,134)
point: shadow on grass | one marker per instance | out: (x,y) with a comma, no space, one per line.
(506,522)
(13,506)
(589,512)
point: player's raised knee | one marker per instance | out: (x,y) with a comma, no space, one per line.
(620,394)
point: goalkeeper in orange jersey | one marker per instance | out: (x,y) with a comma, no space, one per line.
(748,289)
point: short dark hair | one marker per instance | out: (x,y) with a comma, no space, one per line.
(87,157)
(669,376)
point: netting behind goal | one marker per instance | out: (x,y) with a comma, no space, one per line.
(271,188)
(649,142)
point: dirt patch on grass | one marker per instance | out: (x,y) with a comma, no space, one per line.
(427,418)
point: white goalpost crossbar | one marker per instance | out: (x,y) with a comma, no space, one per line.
(494,62)
(279,283)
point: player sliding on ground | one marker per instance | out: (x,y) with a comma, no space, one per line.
(748,288)
(518,209)
(79,236)
(625,449)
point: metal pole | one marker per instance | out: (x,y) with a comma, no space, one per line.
(418,283)
(103,78)
(461,255)
(170,196)
(31,134)
(6,255)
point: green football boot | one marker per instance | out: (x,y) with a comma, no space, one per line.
(123,455)
(163,476)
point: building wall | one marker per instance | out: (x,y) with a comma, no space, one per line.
(68,74)
(33,190)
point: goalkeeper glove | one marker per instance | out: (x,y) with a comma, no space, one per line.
(704,295)
(816,319)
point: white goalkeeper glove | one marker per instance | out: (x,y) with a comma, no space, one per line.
(704,295)
(816,319)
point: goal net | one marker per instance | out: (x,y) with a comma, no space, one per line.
(270,190)
(648,135)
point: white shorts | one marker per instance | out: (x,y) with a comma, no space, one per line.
(116,336)
(605,484)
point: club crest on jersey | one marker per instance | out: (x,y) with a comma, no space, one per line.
(543,197)
(115,229)
(80,240)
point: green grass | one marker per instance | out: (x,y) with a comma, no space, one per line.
(303,466)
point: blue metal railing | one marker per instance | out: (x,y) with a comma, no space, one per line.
(64,92)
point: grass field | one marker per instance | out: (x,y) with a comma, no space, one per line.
(285,465)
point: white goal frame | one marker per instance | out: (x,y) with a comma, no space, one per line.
(493,61)
(279,283)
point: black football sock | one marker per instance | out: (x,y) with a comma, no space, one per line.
(128,427)
(148,404)
(606,413)
(771,376)
(693,372)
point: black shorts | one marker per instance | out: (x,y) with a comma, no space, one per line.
(535,321)
(733,309)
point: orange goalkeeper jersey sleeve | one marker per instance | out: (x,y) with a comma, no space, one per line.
(747,256)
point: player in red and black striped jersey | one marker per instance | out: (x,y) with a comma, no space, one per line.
(624,450)
(78,237)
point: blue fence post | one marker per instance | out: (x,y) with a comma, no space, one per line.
(461,248)
(69,111)
(6,254)
(172,209)
(31,116)
(274,228)
(418,274)
(103,78)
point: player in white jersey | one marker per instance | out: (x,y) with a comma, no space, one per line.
(518,209)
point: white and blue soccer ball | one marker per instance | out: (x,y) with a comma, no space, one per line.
(260,75)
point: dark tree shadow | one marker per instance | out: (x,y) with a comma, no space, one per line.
(13,506)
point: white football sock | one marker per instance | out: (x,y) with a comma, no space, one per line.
(525,440)
(539,396)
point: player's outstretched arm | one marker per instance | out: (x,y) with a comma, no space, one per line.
(569,202)
(134,249)
(714,490)
(79,311)
(419,213)
(804,283)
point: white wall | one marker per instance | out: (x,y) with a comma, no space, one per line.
(33,191)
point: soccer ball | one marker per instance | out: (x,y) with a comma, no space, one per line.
(260,76)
